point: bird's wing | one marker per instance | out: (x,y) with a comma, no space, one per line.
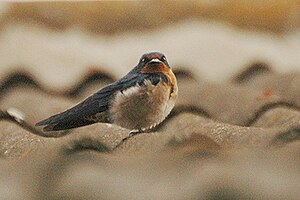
(83,113)
(92,109)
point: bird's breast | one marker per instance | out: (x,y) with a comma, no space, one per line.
(164,69)
(142,107)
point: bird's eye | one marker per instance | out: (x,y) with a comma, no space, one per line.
(143,59)
(164,58)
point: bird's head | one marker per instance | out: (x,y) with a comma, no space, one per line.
(154,62)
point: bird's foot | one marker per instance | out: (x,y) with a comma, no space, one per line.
(131,134)
(134,132)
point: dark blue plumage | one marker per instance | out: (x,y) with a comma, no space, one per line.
(84,113)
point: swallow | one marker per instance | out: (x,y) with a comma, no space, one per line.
(139,101)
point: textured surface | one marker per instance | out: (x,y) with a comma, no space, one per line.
(233,134)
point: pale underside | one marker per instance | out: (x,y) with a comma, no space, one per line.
(141,108)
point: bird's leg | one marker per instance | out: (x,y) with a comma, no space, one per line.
(134,132)
(131,134)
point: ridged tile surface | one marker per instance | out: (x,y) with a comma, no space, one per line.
(233,134)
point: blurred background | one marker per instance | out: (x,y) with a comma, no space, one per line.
(60,41)
(234,132)
(113,17)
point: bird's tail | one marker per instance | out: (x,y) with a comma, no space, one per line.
(77,116)
(57,123)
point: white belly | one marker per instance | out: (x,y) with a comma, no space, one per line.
(142,107)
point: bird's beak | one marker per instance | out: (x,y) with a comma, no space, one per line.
(154,60)
(155,65)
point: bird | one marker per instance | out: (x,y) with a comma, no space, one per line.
(139,101)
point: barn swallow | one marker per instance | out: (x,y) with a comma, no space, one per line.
(139,101)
